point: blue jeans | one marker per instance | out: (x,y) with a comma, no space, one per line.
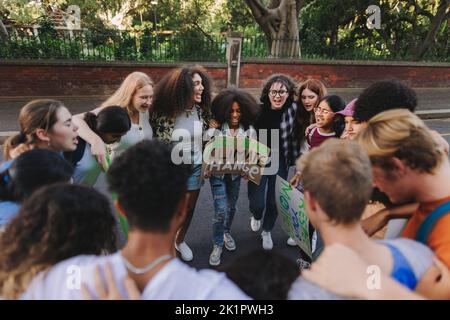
(194,181)
(225,194)
(261,200)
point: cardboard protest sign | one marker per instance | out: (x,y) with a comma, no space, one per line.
(291,207)
(235,155)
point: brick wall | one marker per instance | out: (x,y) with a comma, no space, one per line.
(38,78)
(351,74)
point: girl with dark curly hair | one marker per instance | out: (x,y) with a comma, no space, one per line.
(110,124)
(237,111)
(278,117)
(181,114)
(56,223)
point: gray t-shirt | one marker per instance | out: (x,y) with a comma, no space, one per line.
(188,134)
(419,257)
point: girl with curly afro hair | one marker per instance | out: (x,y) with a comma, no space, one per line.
(237,111)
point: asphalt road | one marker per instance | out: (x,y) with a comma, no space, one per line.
(428,99)
(199,236)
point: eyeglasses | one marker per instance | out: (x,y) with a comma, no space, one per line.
(273,93)
(323,111)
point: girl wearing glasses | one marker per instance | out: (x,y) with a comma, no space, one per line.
(328,123)
(278,116)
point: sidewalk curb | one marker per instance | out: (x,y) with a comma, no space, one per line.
(433,114)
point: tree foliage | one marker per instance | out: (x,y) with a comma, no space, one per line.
(410,29)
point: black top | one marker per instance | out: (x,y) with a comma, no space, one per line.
(270,119)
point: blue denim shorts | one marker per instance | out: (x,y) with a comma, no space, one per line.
(195,182)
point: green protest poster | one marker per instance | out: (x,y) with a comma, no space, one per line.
(291,208)
(235,155)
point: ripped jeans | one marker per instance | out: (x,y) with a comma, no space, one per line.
(225,194)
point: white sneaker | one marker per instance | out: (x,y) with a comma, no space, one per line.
(228,240)
(255,224)
(214,258)
(291,242)
(267,240)
(186,252)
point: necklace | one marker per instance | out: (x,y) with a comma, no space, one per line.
(147,268)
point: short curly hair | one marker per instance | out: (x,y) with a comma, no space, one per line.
(286,81)
(149,184)
(222,103)
(382,96)
(56,223)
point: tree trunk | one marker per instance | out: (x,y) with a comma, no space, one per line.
(3,32)
(436,22)
(279,22)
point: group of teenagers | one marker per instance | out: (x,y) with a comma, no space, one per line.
(347,158)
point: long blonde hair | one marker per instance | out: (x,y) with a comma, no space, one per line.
(124,95)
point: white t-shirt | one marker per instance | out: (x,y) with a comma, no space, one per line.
(226,131)
(137,133)
(175,281)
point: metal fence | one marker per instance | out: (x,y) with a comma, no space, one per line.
(113,46)
(256,46)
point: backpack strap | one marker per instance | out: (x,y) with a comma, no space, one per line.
(430,221)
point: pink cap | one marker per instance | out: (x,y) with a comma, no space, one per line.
(349,109)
